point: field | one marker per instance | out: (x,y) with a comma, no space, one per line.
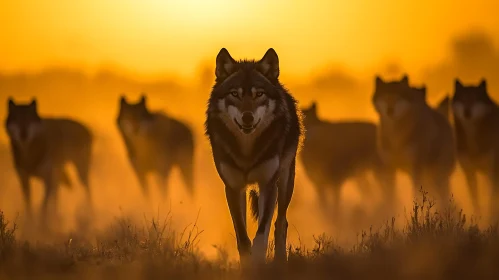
(431,245)
(126,239)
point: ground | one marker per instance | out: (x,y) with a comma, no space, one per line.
(430,246)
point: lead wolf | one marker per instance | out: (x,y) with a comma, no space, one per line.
(413,137)
(336,151)
(476,124)
(255,130)
(156,143)
(42,146)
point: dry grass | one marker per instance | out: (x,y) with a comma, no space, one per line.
(432,245)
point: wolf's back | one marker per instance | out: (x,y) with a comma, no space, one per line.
(172,131)
(340,147)
(66,135)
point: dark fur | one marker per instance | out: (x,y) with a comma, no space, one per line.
(443,106)
(168,143)
(336,151)
(60,141)
(283,135)
(420,142)
(479,150)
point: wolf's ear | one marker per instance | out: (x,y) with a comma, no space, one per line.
(405,80)
(33,103)
(123,99)
(269,64)
(143,98)
(378,81)
(422,91)
(225,64)
(313,107)
(483,84)
(457,84)
(11,103)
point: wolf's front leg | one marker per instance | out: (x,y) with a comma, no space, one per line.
(417,177)
(285,188)
(234,202)
(26,189)
(266,206)
(141,174)
(386,178)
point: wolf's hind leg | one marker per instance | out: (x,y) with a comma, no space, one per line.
(234,201)
(185,161)
(472,182)
(163,177)
(82,164)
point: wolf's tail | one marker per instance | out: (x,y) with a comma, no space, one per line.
(253,197)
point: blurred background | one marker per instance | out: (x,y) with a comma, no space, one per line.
(77,57)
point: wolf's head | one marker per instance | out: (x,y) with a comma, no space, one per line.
(246,93)
(310,114)
(393,100)
(132,116)
(471,103)
(23,123)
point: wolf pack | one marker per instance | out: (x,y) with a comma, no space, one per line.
(257,133)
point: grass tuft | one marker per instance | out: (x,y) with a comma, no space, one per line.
(433,244)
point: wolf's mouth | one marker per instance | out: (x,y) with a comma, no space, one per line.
(247,129)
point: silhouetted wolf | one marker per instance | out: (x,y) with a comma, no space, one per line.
(414,137)
(41,147)
(254,130)
(476,124)
(156,142)
(336,151)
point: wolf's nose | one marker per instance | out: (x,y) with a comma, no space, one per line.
(248,118)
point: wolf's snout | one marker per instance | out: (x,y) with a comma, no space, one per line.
(248,118)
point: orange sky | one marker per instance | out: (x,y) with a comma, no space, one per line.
(150,37)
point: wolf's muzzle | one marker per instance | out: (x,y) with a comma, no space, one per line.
(247,126)
(248,119)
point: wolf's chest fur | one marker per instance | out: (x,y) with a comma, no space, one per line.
(396,147)
(258,174)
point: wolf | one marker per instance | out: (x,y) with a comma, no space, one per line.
(42,146)
(155,142)
(476,125)
(336,151)
(414,137)
(255,131)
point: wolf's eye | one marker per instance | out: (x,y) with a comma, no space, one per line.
(234,93)
(259,93)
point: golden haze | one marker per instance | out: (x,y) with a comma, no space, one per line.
(153,37)
(80,55)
